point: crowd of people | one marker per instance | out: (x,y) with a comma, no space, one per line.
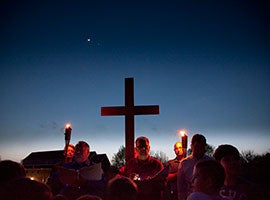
(195,177)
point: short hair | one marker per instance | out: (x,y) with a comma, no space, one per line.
(225,150)
(212,169)
(178,143)
(142,139)
(198,138)
(10,170)
(121,188)
(82,144)
(70,145)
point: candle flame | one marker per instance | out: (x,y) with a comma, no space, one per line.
(68,125)
(182,133)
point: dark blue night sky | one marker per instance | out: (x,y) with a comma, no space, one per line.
(205,63)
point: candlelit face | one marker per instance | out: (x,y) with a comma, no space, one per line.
(178,149)
(82,152)
(143,149)
(70,151)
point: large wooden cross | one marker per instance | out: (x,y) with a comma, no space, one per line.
(129,110)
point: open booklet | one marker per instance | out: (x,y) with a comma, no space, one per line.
(75,177)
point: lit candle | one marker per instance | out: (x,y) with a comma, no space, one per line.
(67,134)
(184,141)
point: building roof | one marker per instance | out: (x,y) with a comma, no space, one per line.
(47,159)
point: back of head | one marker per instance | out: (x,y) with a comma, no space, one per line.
(198,146)
(82,144)
(212,171)
(226,150)
(25,188)
(121,188)
(10,170)
(198,138)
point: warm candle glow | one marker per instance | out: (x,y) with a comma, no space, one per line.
(182,133)
(184,137)
(68,125)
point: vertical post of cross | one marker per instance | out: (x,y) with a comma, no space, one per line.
(129,110)
(129,118)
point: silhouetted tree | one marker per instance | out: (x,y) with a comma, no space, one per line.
(248,156)
(118,159)
(160,156)
(210,149)
(256,168)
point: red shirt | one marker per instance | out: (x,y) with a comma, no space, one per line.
(144,168)
(148,189)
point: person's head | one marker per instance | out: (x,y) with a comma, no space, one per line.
(10,170)
(121,188)
(178,150)
(198,145)
(208,177)
(25,188)
(142,147)
(82,152)
(229,157)
(69,153)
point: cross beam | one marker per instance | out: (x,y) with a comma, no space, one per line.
(129,111)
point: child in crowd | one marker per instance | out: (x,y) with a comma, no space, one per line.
(208,178)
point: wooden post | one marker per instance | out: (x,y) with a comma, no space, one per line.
(129,111)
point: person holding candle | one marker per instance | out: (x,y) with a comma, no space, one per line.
(170,192)
(53,180)
(81,176)
(69,153)
(186,166)
(84,184)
